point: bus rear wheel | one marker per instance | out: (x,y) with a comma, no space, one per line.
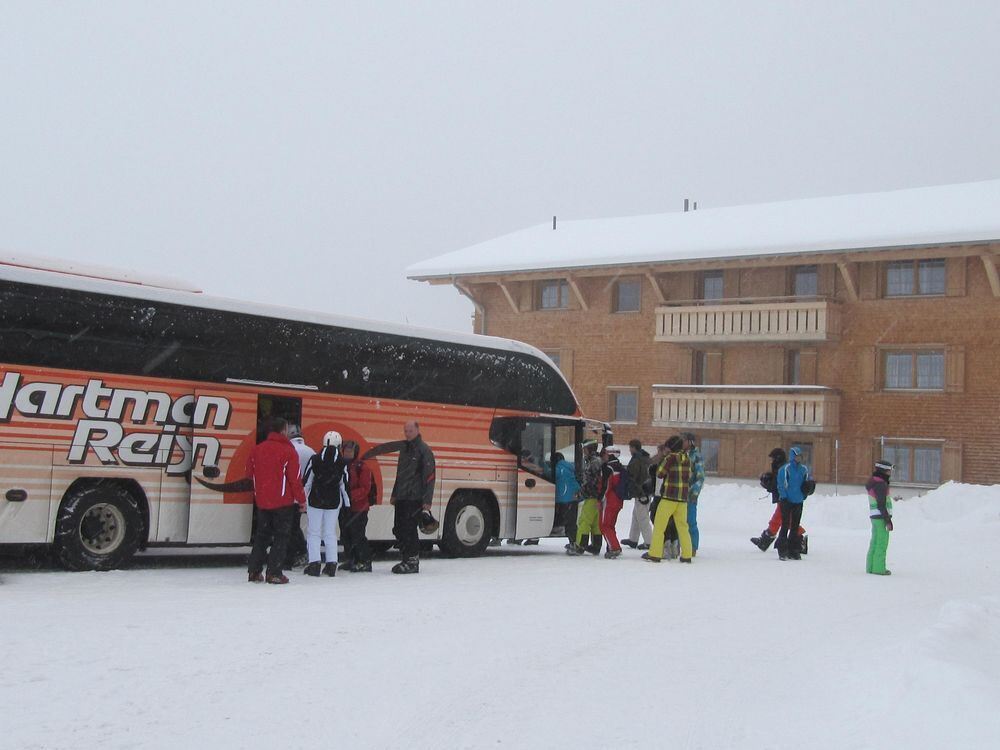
(99,528)
(468,525)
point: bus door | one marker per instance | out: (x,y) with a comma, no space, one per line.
(540,440)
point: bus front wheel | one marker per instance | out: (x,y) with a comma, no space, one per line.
(467,526)
(99,528)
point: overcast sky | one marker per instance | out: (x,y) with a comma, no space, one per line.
(307,153)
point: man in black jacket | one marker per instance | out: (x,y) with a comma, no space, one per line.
(412,493)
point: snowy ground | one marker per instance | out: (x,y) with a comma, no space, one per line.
(527,647)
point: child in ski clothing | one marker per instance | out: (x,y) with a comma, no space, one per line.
(641,530)
(328,473)
(614,476)
(791,477)
(354,517)
(676,474)
(592,490)
(697,482)
(567,497)
(880,513)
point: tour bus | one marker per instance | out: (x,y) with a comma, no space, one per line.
(129,406)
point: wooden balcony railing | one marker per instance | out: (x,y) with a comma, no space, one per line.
(749,321)
(771,408)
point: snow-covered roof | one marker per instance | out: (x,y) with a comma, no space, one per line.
(102,280)
(968,212)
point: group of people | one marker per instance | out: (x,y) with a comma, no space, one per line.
(665,488)
(334,487)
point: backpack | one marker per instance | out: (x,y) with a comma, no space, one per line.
(767,481)
(626,487)
(808,487)
(328,478)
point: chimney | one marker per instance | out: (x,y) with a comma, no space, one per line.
(685,204)
(553,222)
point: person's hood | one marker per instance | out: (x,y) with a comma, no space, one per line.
(796,451)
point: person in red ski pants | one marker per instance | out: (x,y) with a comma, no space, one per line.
(611,505)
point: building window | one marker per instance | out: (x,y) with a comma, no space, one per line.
(914,463)
(553,354)
(806,282)
(904,278)
(793,368)
(627,295)
(710,454)
(553,295)
(625,405)
(920,370)
(712,284)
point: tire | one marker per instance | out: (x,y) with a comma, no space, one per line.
(99,528)
(468,526)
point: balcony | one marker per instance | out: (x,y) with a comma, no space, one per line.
(750,320)
(773,408)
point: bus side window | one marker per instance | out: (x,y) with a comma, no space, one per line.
(268,406)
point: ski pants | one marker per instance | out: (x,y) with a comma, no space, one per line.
(693,521)
(352,528)
(322,526)
(270,539)
(609,517)
(404,527)
(589,521)
(566,517)
(877,547)
(641,529)
(296,541)
(774,525)
(666,510)
(788,536)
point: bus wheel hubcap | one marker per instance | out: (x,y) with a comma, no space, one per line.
(102,529)
(470,525)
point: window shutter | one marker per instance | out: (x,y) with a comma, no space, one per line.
(951,462)
(731,283)
(955,276)
(713,368)
(826,275)
(868,280)
(954,369)
(867,367)
(727,456)
(807,366)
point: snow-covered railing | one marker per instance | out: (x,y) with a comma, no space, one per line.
(747,407)
(812,320)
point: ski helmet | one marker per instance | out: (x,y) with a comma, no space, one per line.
(883,467)
(333,438)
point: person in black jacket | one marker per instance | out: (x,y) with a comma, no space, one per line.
(768,535)
(412,493)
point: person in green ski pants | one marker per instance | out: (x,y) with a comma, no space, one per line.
(880,513)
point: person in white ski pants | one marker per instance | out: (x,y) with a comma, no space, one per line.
(323,521)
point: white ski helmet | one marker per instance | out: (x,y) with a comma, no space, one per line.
(333,438)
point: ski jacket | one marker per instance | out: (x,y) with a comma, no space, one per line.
(638,470)
(697,474)
(790,479)
(675,471)
(360,480)
(591,482)
(879,502)
(328,464)
(414,469)
(613,471)
(567,487)
(305,454)
(273,467)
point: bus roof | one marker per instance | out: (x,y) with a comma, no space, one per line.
(105,280)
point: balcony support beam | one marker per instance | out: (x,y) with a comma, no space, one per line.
(849,273)
(509,296)
(657,289)
(990,264)
(576,291)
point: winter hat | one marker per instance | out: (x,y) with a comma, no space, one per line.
(674,444)
(333,438)
(795,451)
(779,454)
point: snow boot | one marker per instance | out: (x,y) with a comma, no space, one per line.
(630,543)
(255,577)
(594,547)
(574,549)
(409,565)
(649,558)
(345,566)
(763,541)
(613,554)
(362,567)
(312,569)
(684,559)
(330,569)
(276,578)
(804,544)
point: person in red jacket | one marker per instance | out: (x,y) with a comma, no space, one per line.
(612,503)
(354,519)
(273,466)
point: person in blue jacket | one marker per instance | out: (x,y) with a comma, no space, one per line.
(567,497)
(791,497)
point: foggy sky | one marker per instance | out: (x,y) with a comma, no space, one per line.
(307,153)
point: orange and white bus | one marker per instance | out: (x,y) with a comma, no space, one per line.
(128,407)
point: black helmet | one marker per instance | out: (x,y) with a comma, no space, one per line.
(428,524)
